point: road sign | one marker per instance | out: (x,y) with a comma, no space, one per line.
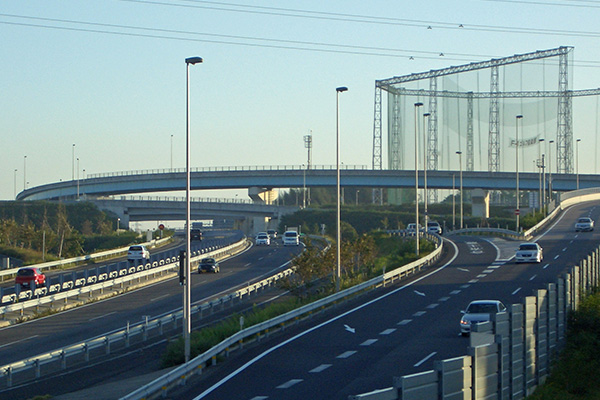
(161,227)
(517,211)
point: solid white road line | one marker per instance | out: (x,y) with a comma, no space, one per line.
(425,359)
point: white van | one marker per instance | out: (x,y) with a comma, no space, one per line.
(291,238)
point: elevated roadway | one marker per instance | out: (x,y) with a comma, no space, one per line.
(291,177)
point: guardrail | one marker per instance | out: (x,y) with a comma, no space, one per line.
(181,374)
(106,280)
(220,169)
(105,341)
(74,260)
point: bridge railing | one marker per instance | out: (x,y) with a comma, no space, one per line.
(225,168)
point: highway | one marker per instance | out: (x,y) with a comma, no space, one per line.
(396,331)
(95,319)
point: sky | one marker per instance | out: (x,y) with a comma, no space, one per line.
(104,82)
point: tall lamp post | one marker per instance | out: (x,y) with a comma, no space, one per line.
(577,161)
(24,172)
(517,210)
(337,162)
(426,197)
(541,172)
(461,187)
(15,178)
(187,294)
(551,142)
(417,230)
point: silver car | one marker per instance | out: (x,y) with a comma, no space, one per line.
(479,311)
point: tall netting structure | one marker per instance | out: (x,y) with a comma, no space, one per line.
(472,108)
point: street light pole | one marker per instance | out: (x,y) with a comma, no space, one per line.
(73,163)
(425,159)
(171,153)
(461,187)
(517,210)
(24,172)
(577,161)
(453,201)
(337,162)
(540,169)
(417,230)
(550,170)
(187,294)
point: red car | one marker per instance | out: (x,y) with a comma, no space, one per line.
(28,274)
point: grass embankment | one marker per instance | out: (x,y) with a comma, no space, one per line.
(575,372)
(392,252)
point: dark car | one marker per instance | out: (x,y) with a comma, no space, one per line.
(195,234)
(30,274)
(208,265)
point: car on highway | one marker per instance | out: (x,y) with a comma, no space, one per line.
(195,234)
(584,224)
(410,228)
(479,311)
(434,227)
(209,264)
(291,238)
(529,252)
(138,252)
(27,275)
(263,239)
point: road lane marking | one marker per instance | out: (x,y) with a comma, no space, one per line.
(289,383)
(462,269)
(388,331)
(419,293)
(314,328)
(481,275)
(555,257)
(455,292)
(516,291)
(432,306)
(260,398)
(102,316)
(18,341)
(419,313)
(445,298)
(404,322)
(247,264)
(425,359)
(160,297)
(347,354)
(464,286)
(546,266)
(488,271)
(533,277)
(565,249)
(368,342)
(474,281)
(320,368)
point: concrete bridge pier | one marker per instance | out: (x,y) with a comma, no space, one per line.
(480,203)
(262,195)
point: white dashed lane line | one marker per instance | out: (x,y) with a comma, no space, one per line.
(432,306)
(516,291)
(556,256)
(289,383)
(347,354)
(320,368)
(419,313)
(388,331)
(425,359)
(404,322)
(533,277)
(368,342)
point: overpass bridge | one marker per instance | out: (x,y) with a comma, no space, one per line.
(169,180)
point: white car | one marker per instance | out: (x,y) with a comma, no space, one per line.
(291,238)
(584,224)
(434,227)
(479,311)
(410,229)
(138,252)
(529,252)
(262,239)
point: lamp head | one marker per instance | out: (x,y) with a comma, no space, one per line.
(341,89)
(193,60)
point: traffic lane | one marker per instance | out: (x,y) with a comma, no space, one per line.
(41,335)
(344,340)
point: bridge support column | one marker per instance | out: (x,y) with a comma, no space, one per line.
(262,195)
(481,203)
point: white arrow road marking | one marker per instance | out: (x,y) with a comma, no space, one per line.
(351,330)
